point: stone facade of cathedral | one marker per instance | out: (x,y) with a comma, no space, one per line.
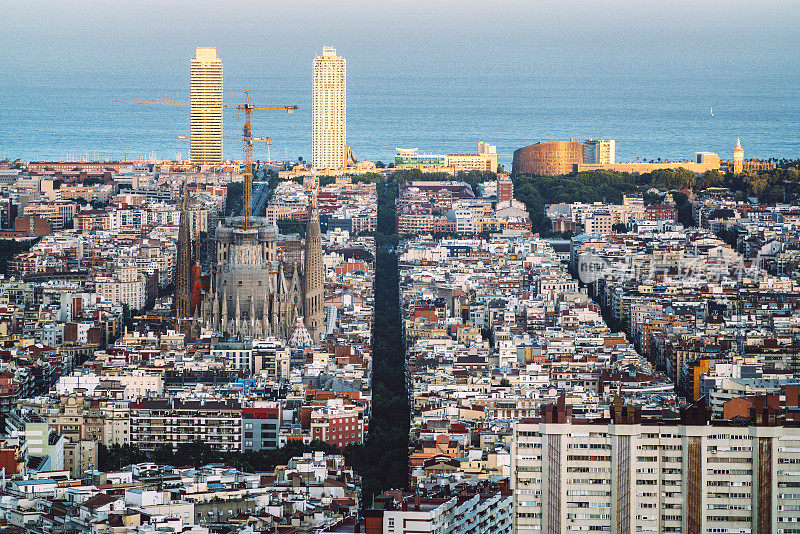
(253,294)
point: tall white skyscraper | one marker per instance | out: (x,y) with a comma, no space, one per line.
(329,111)
(598,151)
(205,96)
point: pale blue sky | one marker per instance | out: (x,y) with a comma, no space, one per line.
(106,37)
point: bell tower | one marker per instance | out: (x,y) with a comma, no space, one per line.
(738,157)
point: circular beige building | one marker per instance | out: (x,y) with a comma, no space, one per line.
(548,159)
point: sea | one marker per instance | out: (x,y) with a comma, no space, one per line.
(54,115)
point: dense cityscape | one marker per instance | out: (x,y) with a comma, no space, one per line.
(440,343)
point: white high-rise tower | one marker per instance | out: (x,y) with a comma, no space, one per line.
(598,151)
(329,111)
(205,96)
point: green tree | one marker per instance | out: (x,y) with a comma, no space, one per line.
(536,192)
(684,208)
(163,454)
(710,178)
(669,178)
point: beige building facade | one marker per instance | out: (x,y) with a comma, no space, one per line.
(572,476)
(205,96)
(329,111)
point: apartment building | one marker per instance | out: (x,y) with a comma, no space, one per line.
(92,220)
(125,286)
(89,193)
(261,426)
(337,427)
(484,513)
(217,423)
(234,354)
(116,422)
(599,151)
(58,213)
(599,222)
(568,475)
(270,358)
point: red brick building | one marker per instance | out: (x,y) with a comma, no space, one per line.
(340,428)
(661,212)
(505,188)
(32,226)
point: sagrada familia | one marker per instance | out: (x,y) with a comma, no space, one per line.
(249,291)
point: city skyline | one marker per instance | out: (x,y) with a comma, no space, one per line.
(519,268)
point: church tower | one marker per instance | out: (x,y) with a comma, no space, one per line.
(183,269)
(314,275)
(738,157)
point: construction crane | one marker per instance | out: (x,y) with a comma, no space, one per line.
(227,138)
(247,137)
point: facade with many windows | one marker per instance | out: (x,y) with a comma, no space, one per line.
(484,513)
(206,107)
(174,421)
(329,111)
(337,427)
(569,476)
(124,286)
(261,427)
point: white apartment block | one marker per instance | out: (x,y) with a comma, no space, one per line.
(124,286)
(205,96)
(599,151)
(569,477)
(329,111)
(218,423)
(490,515)
(234,355)
(484,160)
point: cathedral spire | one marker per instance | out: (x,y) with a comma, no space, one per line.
(183,268)
(313,273)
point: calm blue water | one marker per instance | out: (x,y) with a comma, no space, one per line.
(59,115)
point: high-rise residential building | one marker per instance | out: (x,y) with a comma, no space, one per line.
(598,151)
(574,475)
(329,111)
(205,96)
